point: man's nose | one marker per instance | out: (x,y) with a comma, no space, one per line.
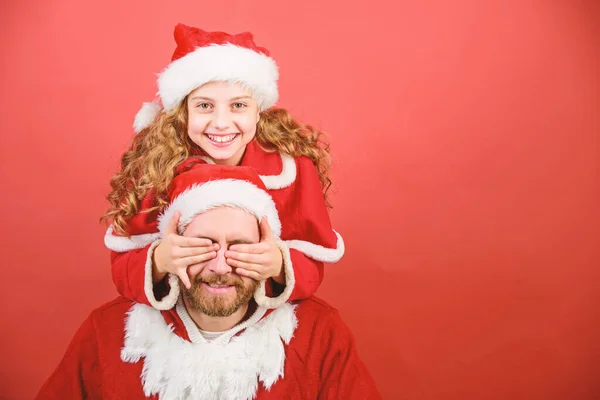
(219,263)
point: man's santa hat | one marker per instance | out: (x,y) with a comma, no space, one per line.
(201,57)
(199,187)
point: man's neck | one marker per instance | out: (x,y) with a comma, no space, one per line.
(215,324)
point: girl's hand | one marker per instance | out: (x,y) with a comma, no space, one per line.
(258,261)
(176,253)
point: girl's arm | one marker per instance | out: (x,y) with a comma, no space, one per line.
(132,275)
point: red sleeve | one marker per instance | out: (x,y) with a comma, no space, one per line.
(129,274)
(311,224)
(308,274)
(78,375)
(343,374)
(129,268)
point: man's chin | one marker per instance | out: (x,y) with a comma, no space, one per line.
(222,302)
(218,305)
(213,305)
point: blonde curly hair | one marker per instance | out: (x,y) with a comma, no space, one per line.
(149,164)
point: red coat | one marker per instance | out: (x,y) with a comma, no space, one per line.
(298,351)
(306,229)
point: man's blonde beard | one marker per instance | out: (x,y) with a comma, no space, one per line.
(214,305)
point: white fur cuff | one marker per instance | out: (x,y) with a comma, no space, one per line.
(169,300)
(317,252)
(290,282)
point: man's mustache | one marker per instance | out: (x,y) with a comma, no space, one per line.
(220,280)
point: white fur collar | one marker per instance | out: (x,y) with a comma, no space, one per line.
(284,179)
(228,368)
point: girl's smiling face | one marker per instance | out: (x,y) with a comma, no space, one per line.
(222,118)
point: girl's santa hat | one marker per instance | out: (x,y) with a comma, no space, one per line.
(197,187)
(202,57)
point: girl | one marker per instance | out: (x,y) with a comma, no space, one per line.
(216,97)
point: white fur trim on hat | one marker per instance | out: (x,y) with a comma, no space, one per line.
(226,62)
(146,115)
(317,252)
(199,198)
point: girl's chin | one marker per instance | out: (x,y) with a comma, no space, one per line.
(222,157)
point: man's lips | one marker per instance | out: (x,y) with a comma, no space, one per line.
(218,288)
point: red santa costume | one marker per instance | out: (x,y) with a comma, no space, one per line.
(293,183)
(128,350)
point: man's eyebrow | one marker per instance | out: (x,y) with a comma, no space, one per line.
(205,237)
(236,241)
(241,241)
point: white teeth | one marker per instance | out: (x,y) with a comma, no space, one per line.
(222,139)
(215,285)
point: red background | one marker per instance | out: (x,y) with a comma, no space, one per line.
(465,142)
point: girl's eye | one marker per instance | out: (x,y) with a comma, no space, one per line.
(238,105)
(203,106)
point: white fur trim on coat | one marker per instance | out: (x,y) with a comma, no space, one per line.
(225,192)
(176,369)
(127,243)
(318,252)
(260,296)
(226,62)
(146,115)
(284,179)
(167,302)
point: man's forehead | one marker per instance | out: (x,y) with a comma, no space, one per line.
(234,223)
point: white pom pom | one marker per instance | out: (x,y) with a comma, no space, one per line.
(146,116)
